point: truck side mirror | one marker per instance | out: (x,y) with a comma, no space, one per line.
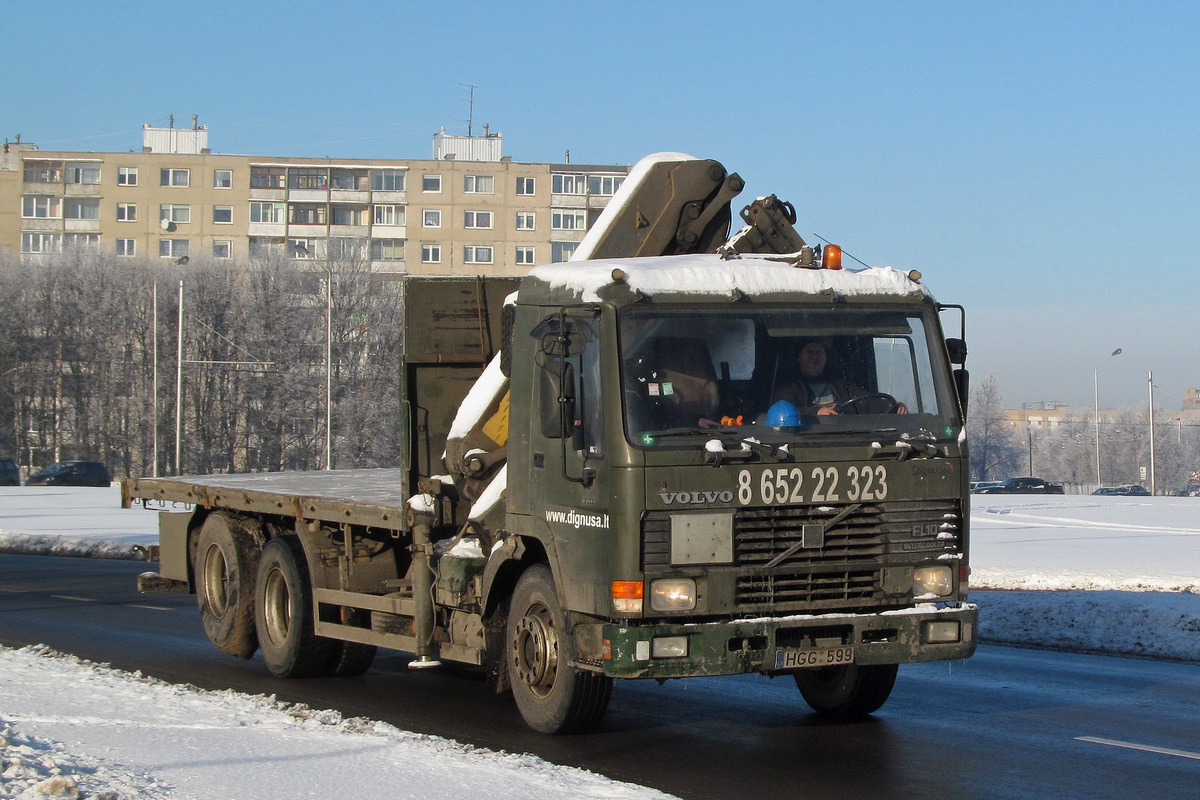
(962,383)
(957,351)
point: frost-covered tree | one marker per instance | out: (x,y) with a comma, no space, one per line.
(995,452)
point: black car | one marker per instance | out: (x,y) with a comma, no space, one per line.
(1021,486)
(9,474)
(1127,490)
(72,473)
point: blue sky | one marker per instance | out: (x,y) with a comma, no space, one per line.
(1038,162)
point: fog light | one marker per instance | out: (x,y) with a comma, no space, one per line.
(942,632)
(670,647)
(673,594)
(937,580)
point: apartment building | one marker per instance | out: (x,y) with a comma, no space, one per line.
(467,210)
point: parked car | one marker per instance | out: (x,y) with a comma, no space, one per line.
(1022,486)
(10,475)
(72,473)
(1128,489)
(977,485)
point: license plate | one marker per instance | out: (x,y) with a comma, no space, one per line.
(823,657)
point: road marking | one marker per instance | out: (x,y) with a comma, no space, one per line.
(72,597)
(1134,746)
(152,608)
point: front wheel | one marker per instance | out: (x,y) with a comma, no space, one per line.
(553,697)
(851,690)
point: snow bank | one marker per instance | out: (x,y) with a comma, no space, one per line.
(182,742)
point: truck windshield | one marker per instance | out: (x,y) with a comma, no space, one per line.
(776,373)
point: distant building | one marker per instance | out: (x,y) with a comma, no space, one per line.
(468,210)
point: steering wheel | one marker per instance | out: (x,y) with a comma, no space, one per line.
(873,403)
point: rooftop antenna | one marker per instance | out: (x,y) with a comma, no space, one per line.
(471,104)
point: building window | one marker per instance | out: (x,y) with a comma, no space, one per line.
(389,215)
(526,220)
(223,214)
(568,219)
(268,212)
(387,249)
(307,214)
(567,184)
(175,213)
(525,256)
(305,249)
(34,207)
(431,254)
(81,208)
(222,179)
(126,176)
(479,184)
(268,178)
(43,171)
(173,248)
(477,219)
(265,246)
(432,218)
(126,212)
(353,180)
(84,175)
(349,215)
(85,242)
(562,251)
(174,177)
(526,186)
(387,180)
(476,254)
(431,183)
(308,178)
(126,247)
(41,242)
(222,248)
(605,184)
(347,248)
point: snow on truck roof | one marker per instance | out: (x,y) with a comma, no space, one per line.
(709,276)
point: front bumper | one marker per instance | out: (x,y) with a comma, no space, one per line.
(924,633)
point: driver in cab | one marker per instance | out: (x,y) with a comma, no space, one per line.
(815,390)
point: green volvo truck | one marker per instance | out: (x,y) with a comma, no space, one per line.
(620,467)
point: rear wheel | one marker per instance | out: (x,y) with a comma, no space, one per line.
(283,613)
(351,659)
(852,690)
(225,568)
(552,696)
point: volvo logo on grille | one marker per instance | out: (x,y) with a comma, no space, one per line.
(696,498)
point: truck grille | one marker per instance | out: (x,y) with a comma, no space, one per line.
(844,573)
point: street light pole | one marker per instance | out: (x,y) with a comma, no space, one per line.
(1096,389)
(1150,381)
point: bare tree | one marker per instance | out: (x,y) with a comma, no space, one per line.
(994,451)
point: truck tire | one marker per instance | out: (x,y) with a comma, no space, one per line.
(283,615)
(552,696)
(351,659)
(225,568)
(853,690)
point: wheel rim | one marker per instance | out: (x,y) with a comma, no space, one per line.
(277,607)
(216,580)
(535,650)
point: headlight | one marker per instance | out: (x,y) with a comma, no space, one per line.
(673,594)
(935,580)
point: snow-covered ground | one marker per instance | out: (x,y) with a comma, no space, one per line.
(1109,574)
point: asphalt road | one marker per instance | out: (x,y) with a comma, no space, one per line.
(1007,724)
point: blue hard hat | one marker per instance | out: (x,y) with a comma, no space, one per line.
(783,415)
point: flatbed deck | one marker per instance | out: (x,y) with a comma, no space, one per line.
(373,497)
